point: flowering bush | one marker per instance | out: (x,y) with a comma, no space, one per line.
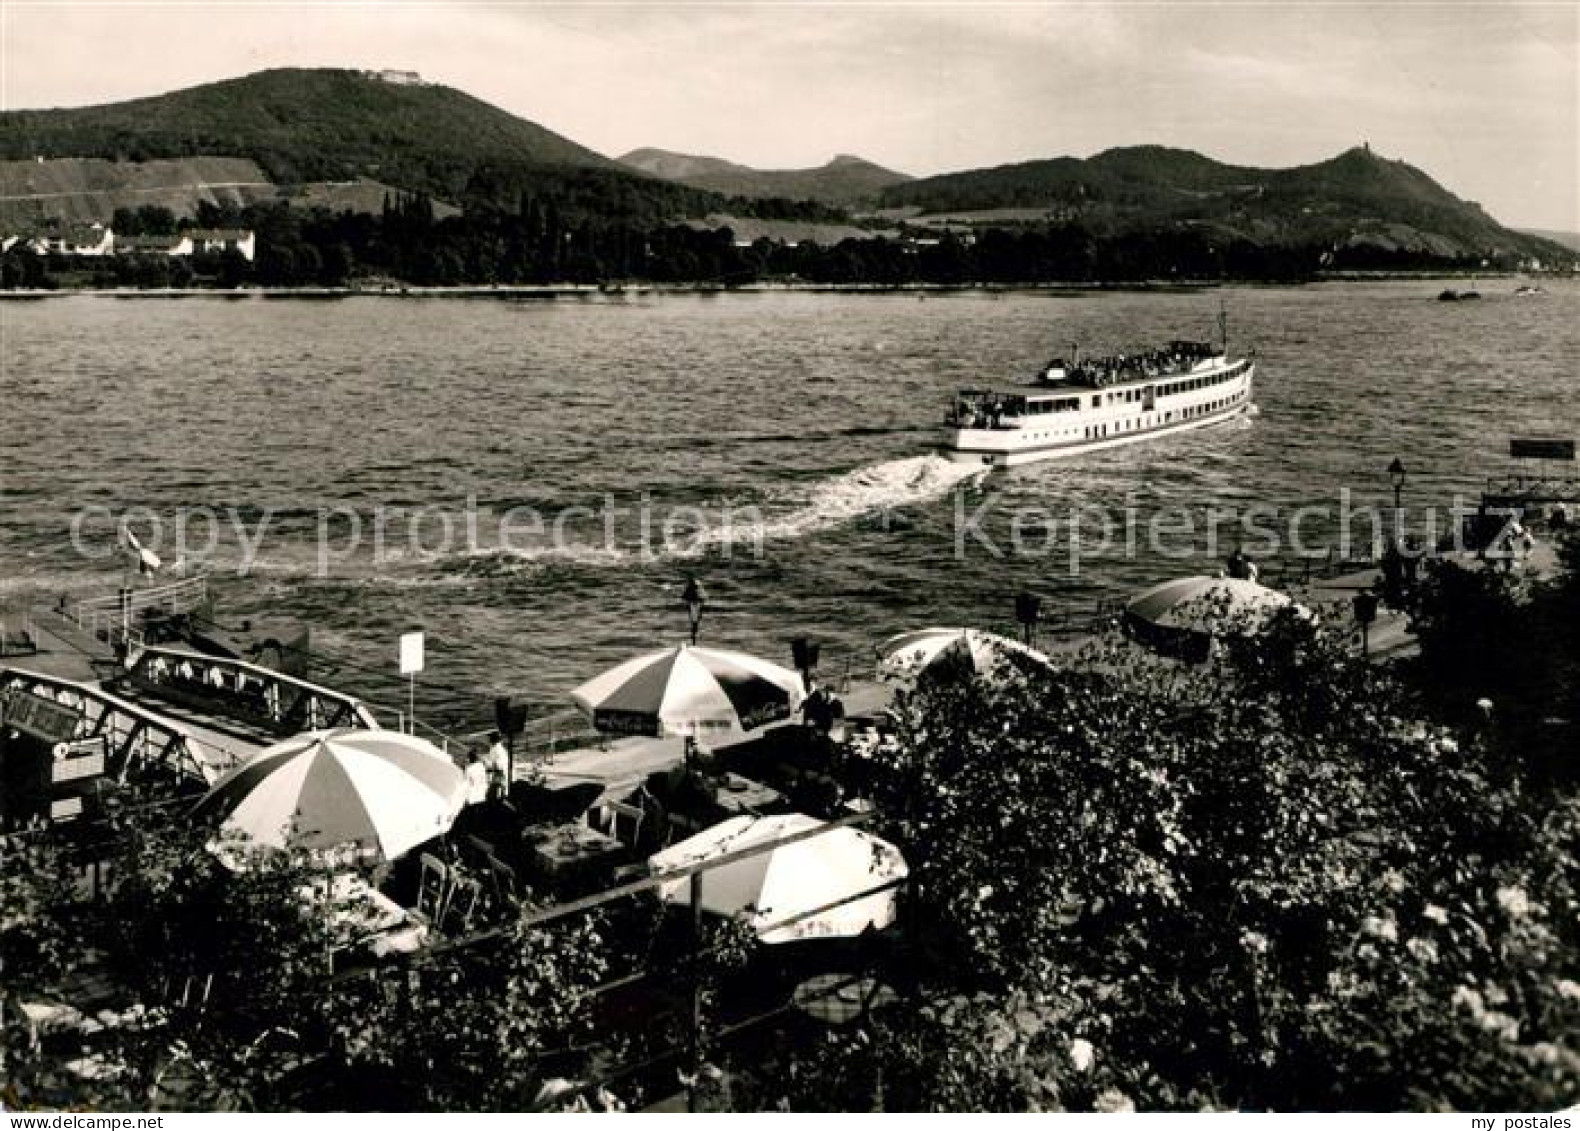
(1264,882)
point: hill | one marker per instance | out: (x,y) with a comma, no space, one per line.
(843,181)
(1356,199)
(91,188)
(305,126)
(1570,240)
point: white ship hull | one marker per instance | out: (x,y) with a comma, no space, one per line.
(1110,417)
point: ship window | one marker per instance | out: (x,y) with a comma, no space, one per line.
(1097,400)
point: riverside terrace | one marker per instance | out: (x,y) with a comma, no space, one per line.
(584,821)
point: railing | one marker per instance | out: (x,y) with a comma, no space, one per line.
(108,616)
(243,693)
(438,737)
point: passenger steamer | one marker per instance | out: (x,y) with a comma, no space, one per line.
(1089,404)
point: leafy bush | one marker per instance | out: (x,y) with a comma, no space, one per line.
(1267,882)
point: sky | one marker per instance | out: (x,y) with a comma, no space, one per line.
(1485,97)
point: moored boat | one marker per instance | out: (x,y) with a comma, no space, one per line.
(1087,405)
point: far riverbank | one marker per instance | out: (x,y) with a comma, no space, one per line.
(557,290)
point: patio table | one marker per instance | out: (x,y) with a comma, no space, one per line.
(738,795)
(571,847)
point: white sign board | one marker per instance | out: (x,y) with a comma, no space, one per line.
(410,653)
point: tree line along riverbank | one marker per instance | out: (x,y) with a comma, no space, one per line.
(537,244)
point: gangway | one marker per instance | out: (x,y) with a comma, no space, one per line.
(136,740)
(242,694)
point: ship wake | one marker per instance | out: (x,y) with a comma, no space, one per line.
(725,526)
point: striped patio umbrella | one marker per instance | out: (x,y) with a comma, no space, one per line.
(779,884)
(936,650)
(690,691)
(377,791)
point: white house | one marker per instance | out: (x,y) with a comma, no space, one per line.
(204,241)
(74,239)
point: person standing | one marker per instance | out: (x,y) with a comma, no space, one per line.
(497,763)
(478,786)
(1239,566)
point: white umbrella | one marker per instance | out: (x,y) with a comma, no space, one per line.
(910,654)
(781,883)
(1207,604)
(690,691)
(1181,617)
(378,791)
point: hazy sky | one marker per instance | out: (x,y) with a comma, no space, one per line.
(1483,96)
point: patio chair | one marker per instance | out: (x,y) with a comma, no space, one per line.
(607,817)
(502,877)
(463,905)
(433,889)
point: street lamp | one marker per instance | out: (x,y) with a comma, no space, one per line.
(1396,478)
(510,720)
(1028,610)
(804,654)
(694,599)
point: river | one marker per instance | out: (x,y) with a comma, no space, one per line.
(482,466)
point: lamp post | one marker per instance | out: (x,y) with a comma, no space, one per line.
(510,719)
(1365,605)
(1396,478)
(1028,611)
(695,600)
(804,654)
